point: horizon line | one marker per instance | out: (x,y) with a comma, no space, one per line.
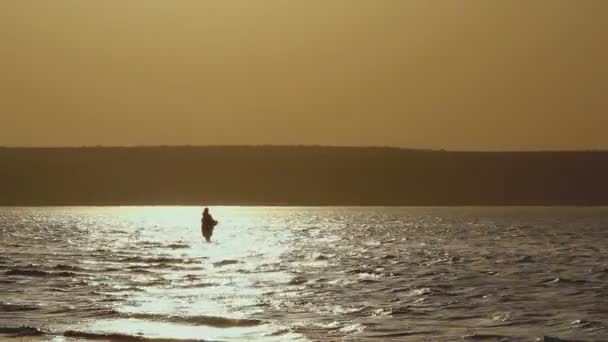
(305,146)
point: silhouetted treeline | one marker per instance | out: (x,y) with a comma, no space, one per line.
(273,175)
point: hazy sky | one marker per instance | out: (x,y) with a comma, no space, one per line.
(466,74)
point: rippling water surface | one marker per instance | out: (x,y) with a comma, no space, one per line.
(301,274)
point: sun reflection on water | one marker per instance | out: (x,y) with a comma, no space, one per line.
(180,275)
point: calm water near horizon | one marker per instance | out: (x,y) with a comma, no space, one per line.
(304,274)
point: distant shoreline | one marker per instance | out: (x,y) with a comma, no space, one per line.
(324,176)
(379,147)
(236,205)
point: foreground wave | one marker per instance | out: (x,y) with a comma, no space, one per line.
(20,332)
(212,321)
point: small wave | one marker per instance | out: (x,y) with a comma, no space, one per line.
(400,289)
(186,268)
(28,273)
(38,273)
(373,243)
(524,259)
(62,267)
(150,244)
(369,277)
(382,312)
(353,328)
(158,260)
(555,339)
(297,280)
(280,332)
(486,337)
(319,256)
(9,307)
(341,282)
(178,245)
(404,334)
(423,291)
(192,277)
(120,337)
(139,269)
(211,321)
(21,331)
(95,314)
(225,263)
(149,260)
(560,280)
(195,285)
(581,323)
(129,288)
(338,310)
(154,282)
(335,325)
(388,257)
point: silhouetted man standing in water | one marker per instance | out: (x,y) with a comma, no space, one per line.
(207,224)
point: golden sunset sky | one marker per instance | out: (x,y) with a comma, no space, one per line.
(461,75)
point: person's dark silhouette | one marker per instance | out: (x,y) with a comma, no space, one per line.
(207,224)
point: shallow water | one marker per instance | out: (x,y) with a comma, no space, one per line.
(299,274)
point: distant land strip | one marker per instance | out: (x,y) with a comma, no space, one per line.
(298,176)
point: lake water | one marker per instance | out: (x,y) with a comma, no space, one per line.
(304,274)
